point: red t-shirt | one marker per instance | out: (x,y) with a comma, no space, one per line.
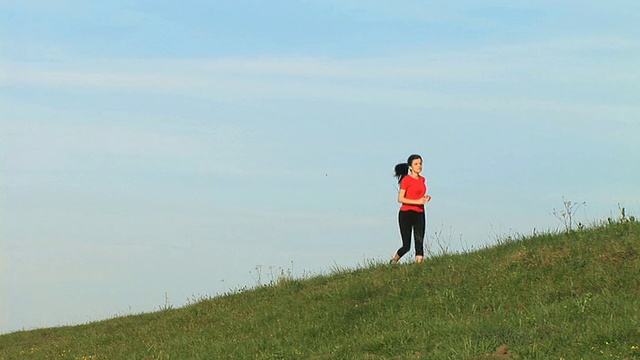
(415,189)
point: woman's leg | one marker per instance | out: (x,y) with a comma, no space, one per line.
(418,234)
(405,223)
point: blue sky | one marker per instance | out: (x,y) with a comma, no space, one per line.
(157,151)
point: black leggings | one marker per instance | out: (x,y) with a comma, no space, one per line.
(411,220)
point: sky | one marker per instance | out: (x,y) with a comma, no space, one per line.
(153,153)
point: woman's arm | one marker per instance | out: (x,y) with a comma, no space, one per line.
(403,200)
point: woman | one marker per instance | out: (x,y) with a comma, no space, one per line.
(412,196)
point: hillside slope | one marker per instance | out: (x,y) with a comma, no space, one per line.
(552,296)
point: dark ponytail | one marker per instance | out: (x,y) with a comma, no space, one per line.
(401,170)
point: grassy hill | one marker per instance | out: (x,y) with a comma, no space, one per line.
(568,295)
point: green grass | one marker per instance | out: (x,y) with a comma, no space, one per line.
(568,295)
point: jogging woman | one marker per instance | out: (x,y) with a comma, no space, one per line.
(412,196)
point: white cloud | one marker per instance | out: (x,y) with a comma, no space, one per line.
(416,78)
(42,138)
